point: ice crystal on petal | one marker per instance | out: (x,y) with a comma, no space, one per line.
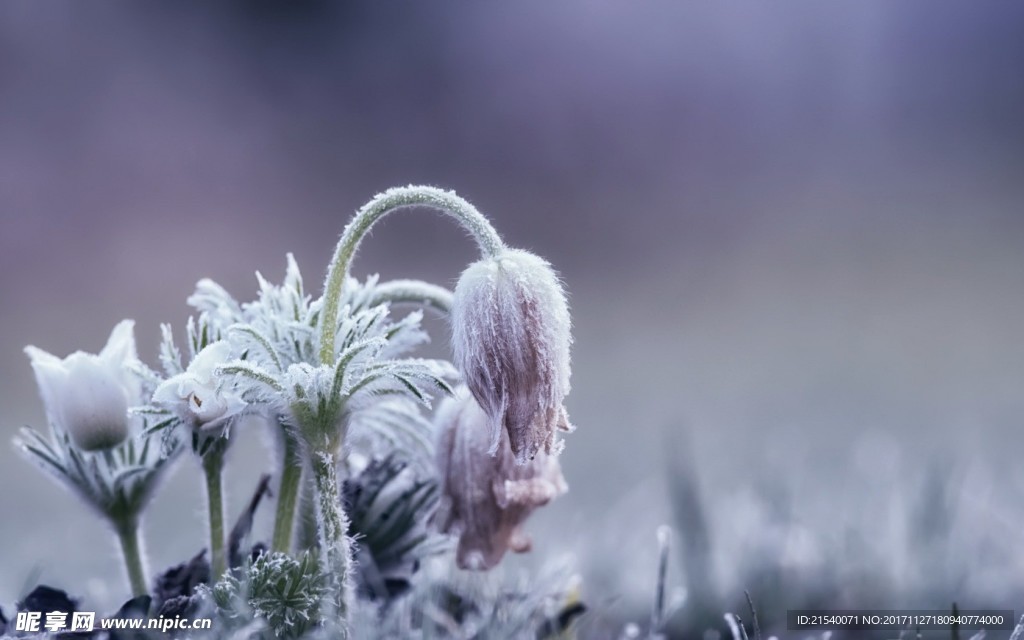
(511,338)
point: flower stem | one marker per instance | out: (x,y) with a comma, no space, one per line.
(479,227)
(287,495)
(128,535)
(213,468)
(413,292)
(335,550)
(306,527)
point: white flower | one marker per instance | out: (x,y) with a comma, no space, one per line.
(511,337)
(485,498)
(197,396)
(87,395)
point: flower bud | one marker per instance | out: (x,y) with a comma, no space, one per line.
(486,498)
(511,337)
(87,395)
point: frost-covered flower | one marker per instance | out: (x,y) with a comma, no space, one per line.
(197,396)
(87,395)
(511,337)
(486,499)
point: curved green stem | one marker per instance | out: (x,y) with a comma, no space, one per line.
(335,549)
(131,548)
(213,468)
(287,495)
(479,227)
(413,292)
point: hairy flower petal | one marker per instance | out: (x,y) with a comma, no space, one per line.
(486,499)
(197,396)
(511,338)
(87,395)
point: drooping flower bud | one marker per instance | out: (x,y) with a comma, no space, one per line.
(88,395)
(485,498)
(511,337)
(197,396)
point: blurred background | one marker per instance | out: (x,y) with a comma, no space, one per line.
(793,235)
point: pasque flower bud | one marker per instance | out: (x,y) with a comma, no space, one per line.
(485,498)
(87,395)
(511,337)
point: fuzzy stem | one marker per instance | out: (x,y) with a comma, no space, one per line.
(479,227)
(128,535)
(305,529)
(413,292)
(213,467)
(335,550)
(287,495)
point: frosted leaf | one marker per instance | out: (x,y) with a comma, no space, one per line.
(285,592)
(389,504)
(118,482)
(170,355)
(280,373)
(212,299)
(201,333)
(415,378)
(285,316)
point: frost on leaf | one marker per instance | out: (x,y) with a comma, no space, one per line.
(279,337)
